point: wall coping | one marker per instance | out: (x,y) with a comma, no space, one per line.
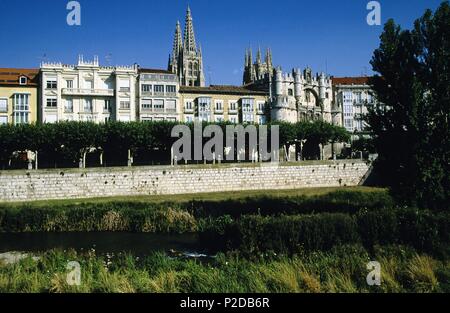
(178,167)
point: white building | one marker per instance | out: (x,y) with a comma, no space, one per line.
(354,96)
(87,92)
(158,96)
(298,96)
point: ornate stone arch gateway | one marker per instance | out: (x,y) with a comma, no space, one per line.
(310,112)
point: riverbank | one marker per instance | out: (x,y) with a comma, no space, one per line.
(342,269)
(181,214)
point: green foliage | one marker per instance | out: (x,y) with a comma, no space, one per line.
(255,234)
(412,133)
(342,269)
(97,217)
(63,144)
(343,201)
(177,217)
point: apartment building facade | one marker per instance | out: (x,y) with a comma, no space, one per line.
(87,92)
(18,95)
(354,96)
(224,103)
(158,96)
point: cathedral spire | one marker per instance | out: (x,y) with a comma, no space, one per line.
(258,56)
(177,41)
(269,59)
(189,35)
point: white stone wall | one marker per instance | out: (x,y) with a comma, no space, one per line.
(88,183)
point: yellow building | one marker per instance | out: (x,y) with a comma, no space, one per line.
(223,103)
(18,95)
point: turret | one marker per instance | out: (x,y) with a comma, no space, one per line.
(297,84)
(278,81)
(322,86)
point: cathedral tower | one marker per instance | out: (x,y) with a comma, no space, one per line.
(254,71)
(186,60)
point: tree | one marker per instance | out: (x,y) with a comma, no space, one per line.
(411,130)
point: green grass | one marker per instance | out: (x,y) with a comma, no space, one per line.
(183,198)
(342,269)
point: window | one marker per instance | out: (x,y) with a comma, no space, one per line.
(158,105)
(219,105)
(188,105)
(88,105)
(3,105)
(171,89)
(261,106)
(3,120)
(233,119)
(146,104)
(146,88)
(68,106)
(124,105)
(247,109)
(233,106)
(171,105)
(159,89)
(189,118)
(51,84)
(290,92)
(107,105)
(327,95)
(219,119)
(21,108)
(52,103)
(69,84)
(262,120)
(124,85)
(191,68)
(23,80)
(204,109)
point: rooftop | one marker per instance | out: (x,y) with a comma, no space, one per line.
(154,71)
(221,89)
(11,76)
(362,80)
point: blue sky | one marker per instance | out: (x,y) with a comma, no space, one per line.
(327,35)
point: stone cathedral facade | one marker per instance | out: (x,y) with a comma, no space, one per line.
(186,59)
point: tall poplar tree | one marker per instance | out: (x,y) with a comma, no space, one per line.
(411,128)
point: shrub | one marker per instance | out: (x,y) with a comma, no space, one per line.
(254,234)
(290,234)
(343,201)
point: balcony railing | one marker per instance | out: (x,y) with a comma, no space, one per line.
(87,92)
(159,110)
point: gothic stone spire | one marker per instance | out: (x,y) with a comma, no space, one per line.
(177,41)
(189,35)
